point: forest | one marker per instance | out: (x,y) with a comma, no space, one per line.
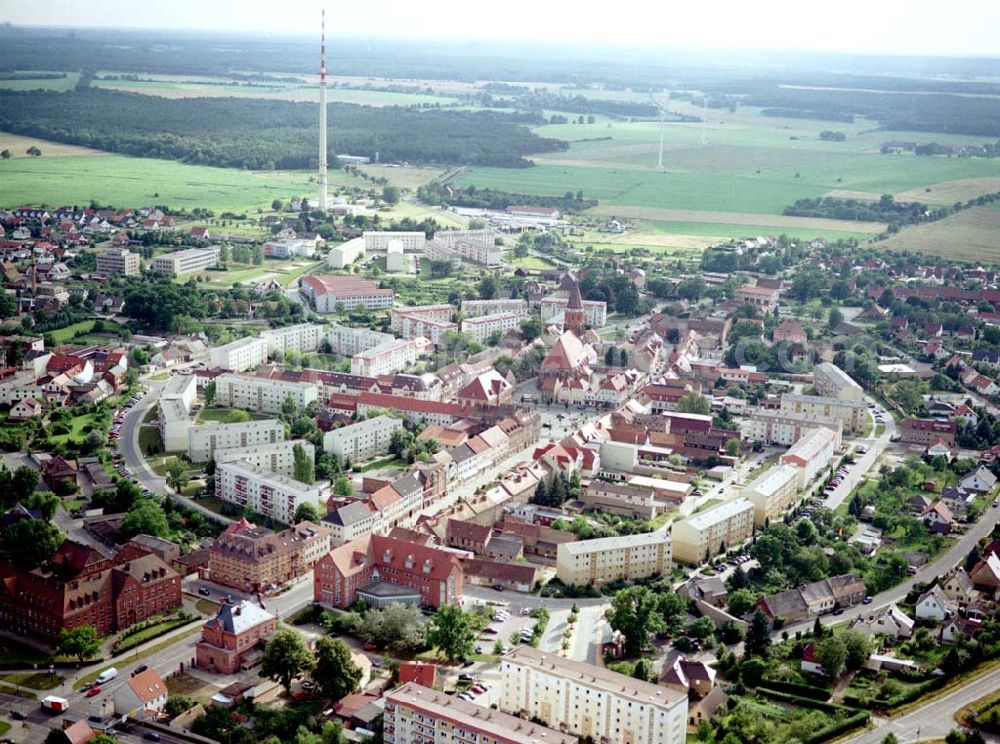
(266,134)
(435,193)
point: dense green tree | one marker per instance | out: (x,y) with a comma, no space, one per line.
(758,638)
(531,328)
(857,647)
(832,655)
(390,195)
(285,658)
(488,288)
(635,612)
(81,642)
(177,474)
(740,602)
(450,631)
(28,543)
(146,517)
(694,403)
(46,503)
(306,512)
(303,466)
(334,672)
(397,627)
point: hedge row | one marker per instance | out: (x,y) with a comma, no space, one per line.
(837,729)
(816,692)
(805,702)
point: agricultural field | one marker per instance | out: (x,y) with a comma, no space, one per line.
(18,146)
(969,235)
(29,83)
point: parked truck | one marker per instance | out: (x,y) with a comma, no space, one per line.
(55,703)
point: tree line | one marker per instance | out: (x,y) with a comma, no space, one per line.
(267,134)
(436,193)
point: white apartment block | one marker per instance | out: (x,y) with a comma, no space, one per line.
(186,261)
(595,312)
(830,380)
(350,341)
(436,313)
(345,254)
(395,259)
(174,411)
(363,440)
(590,701)
(240,355)
(301,337)
(451,238)
(261,394)
(389,358)
(476,308)
(478,252)
(269,494)
(413,242)
(772,493)
(290,248)
(278,457)
(118,261)
(484,326)
(852,413)
(713,531)
(412,327)
(607,559)
(784,428)
(420,715)
(811,453)
(205,441)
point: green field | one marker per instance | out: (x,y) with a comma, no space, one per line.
(59,84)
(65,335)
(718,230)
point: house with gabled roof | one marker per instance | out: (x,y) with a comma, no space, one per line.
(934,605)
(981,480)
(889,621)
(142,692)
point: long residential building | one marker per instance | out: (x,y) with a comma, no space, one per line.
(772,493)
(363,440)
(812,453)
(386,359)
(595,312)
(301,338)
(350,341)
(278,457)
(254,559)
(186,261)
(853,414)
(784,427)
(713,531)
(471,245)
(483,326)
(204,441)
(601,561)
(328,291)
(831,381)
(174,412)
(240,355)
(118,262)
(271,495)
(378,240)
(343,255)
(476,308)
(621,499)
(420,715)
(590,701)
(262,394)
(429,321)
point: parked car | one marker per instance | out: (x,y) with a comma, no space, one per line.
(93,691)
(204,592)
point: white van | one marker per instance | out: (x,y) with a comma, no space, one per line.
(106,676)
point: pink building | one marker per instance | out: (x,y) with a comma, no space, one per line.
(233,640)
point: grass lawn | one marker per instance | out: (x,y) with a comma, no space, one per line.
(70,505)
(212,504)
(206,606)
(383,462)
(15,653)
(79,426)
(34,680)
(152,416)
(148,634)
(4,727)
(531,262)
(160,377)
(185,684)
(65,335)
(288,278)
(149,439)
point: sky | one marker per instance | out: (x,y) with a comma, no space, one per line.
(917,27)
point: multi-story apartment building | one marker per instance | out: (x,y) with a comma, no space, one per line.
(278,457)
(772,493)
(852,413)
(118,261)
(205,441)
(254,559)
(329,290)
(389,358)
(174,411)
(232,640)
(382,570)
(484,238)
(240,355)
(483,326)
(784,427)
(453,246)
(428,321)
(343,255)
(301,337)
(607,559)
(765,298)
(269,494)
(378,240)
(811,453)
(186,261)
(833,382)
(621,499)
(713,531)
(81,586)
(262,394)
(590,701)
(363,440)
(595,312)
(420,715)
(350,341)
(925,431)
(476,308)
(397,504)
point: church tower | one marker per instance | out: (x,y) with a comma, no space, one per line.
(573,316)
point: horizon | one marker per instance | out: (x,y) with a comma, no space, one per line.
(856,28)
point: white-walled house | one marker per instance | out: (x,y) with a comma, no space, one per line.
(934,605)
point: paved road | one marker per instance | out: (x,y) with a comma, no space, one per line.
(128,445)
(876,446)
(931,720)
